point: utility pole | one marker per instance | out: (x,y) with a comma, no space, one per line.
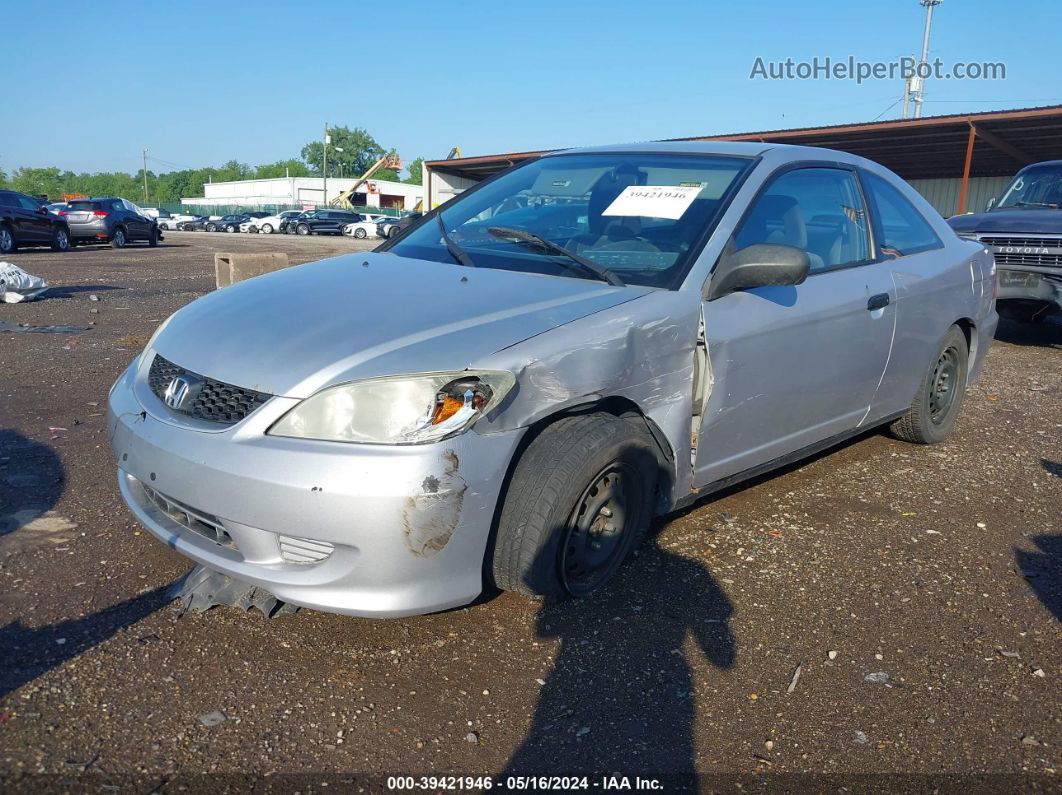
(145,178)
(324,167)
(914,91)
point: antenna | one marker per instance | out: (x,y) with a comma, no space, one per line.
(913,90)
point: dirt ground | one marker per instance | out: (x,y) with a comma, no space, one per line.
(882,609)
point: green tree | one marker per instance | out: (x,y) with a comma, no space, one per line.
(416,172)
(282,168)
(360,151)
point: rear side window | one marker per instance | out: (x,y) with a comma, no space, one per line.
(904,230)
(8,200)
(817,210)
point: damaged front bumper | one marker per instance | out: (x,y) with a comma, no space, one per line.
(367,530)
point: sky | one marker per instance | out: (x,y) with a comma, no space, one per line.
(201,83)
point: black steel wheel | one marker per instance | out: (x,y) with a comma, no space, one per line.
(935,408)
(579,501)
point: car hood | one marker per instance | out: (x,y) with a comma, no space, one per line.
(1034,222)
(297,330)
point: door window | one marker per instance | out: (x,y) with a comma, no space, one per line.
(904,230)
(817,210)
(28,203)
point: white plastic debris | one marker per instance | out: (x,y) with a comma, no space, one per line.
(17,286)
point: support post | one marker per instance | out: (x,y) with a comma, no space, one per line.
(964,188)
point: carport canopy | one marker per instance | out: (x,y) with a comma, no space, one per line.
(990,144)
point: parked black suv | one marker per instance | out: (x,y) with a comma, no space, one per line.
(323,222)
(1023,230)
(110,220)
(26,221)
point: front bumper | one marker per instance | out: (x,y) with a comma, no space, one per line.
(367,530)
(1030,284)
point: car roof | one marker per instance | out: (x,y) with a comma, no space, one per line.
(749,149)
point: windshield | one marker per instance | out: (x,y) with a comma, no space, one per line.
(641,216)
(1039,186)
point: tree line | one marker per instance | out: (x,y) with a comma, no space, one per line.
(351,152)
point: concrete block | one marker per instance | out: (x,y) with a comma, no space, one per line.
(232,268)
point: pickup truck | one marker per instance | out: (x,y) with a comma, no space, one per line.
(1023,230)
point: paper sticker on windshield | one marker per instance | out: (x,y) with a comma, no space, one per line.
(653,201)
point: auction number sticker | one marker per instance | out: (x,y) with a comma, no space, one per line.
(653,201)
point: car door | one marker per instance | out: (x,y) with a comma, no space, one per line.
(792,366)
(927,284)
(34,220)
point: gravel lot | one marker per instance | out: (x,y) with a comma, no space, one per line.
(881,609)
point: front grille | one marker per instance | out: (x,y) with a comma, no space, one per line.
(216,401)
(1042,252)
(205,524)
(292,548)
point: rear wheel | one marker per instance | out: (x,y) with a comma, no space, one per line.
(211,228)
(580,500)
(302,229)
(267,229)
(60,239)
(7,240)
(935,409)
(360,234)
(118,239)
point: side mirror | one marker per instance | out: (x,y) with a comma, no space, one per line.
(990,204)
(759,265)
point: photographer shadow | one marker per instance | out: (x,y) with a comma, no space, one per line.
(620,697)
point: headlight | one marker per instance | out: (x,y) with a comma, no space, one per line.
(409,409)
(968,236)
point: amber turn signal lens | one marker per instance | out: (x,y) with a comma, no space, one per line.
(446,408)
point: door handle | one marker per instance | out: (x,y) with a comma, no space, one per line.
(879,301)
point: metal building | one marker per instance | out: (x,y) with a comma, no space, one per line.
(306,192)
(958,162)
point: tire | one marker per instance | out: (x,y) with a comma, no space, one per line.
(559,533)
(61,239)
(392,231)
(267,229)
(935,409)
(230,229)
(118,239)
(302,229)
(7,240)
(153,238)
(360,234)
(211,228)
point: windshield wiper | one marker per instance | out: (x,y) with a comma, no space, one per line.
(522,235)
(1037,204)
(455,250)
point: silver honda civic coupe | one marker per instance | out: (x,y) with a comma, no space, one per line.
(507,393)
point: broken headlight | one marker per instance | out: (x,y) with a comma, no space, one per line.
(408,409)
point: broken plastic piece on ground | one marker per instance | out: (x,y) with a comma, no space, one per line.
(6,326)
(17,286)
(203,588)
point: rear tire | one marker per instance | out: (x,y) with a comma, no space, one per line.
(61,239)
(302,229)
(935,409)
(360,234)
(211,228)
(579,501)
(267,229)
(118,239)
(7,240)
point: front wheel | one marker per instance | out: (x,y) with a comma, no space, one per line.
(267,229)
(302,229)
(935,409)
(118,239)
(60,240)
(7,241)
(153,238)
(211,228)
(580,500)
